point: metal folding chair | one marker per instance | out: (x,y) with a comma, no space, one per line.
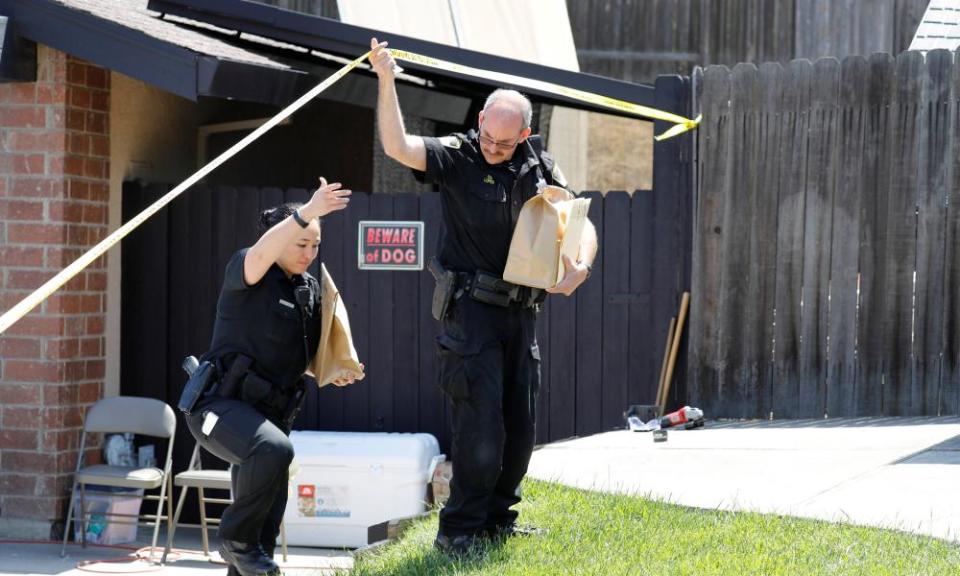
(195,476)
(121,414)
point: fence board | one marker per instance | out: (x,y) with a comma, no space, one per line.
(950,376)
(589,324)
(901,247)
(931,232)
(643,368)
(356,289)
(713,178)
(735,241)
(764,133)
(616,281)
(873,233)
(841,381)
(789,272)
(818,206)
(381,326)
(406,333)
(559,366)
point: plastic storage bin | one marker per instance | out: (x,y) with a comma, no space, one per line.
(346,482)
(102,502)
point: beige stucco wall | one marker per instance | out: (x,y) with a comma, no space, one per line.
(153,138)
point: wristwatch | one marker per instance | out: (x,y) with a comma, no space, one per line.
(589,268)
(299,219)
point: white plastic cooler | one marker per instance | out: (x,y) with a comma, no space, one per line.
(349,481)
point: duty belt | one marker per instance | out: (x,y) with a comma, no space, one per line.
(491,289)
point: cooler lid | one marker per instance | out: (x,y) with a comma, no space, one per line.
(391,450)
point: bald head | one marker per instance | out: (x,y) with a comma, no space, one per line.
(509,103)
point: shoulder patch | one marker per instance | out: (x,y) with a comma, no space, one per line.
(450,142)
(558,176)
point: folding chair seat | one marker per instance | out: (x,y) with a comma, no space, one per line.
(195,476)
(122,414)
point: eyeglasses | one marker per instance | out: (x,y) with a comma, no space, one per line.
(484,139)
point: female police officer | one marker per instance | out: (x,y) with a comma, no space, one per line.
(266,332)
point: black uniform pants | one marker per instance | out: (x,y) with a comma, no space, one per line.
(260,453)
(490,368)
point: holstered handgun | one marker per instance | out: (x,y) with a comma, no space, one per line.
(444,289)
(202,376)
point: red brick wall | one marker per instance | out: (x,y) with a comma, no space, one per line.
(54,191)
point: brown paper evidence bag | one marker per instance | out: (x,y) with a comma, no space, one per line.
(336,355)
(549,227)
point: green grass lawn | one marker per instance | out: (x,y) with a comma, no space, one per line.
(593,533)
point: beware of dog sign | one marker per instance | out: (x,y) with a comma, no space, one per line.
(390,245)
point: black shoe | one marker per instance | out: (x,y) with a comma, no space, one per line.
(248,559)
(462,545)
(509,530)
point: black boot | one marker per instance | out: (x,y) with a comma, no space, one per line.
(458,546)
(248,559)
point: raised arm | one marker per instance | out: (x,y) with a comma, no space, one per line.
(405,148)
(327,198)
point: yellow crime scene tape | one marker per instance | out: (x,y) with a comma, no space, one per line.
(23,307)
(681,124)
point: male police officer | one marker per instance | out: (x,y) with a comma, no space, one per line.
(488,354)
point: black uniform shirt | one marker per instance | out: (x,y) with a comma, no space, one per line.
(264,322)
(481,201)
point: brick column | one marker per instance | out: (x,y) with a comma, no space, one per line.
(54,191)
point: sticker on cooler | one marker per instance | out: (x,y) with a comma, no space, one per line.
(323,501)
(306,501)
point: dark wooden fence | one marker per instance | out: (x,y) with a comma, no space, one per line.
(601,348)
(826,268)
(639,40)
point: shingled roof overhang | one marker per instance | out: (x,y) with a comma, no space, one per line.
(115,45)
(248,51)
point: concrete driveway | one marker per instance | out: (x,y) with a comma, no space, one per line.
(186,559)
(901,473)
